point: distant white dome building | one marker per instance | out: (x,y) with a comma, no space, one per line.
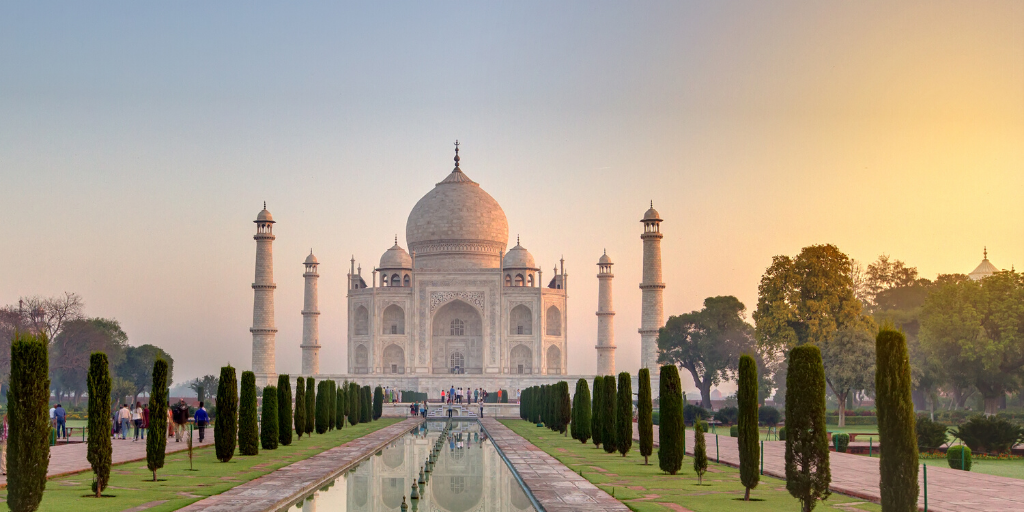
(984,269)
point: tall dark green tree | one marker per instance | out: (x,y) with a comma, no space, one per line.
(581,412)
(564,407)
(269,435)
(248,422)
(700,452)
(624,414)
(644,413)
(524,404)
(28,443)
(609,437)
(156,445)
(896,423)
(366,401)
(355,410)
(670,425)
(310,405)
(99,450)
(807,461)
(595,411)
(284,410)
(339,407)
(300,407)
(225,428)
(332,403)
(378,403)
(748,434)
(322,408)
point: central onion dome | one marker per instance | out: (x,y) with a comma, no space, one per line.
(457,225)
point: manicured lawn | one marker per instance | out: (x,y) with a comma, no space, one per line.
(644,487)
(131,483)
(1007,468)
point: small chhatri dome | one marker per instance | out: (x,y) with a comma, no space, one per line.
(395,257)
(605,260)
(985,268)
(519,257)
(264,215)
(311,260)
(652,214)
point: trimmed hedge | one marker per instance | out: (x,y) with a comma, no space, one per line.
(28,448)
(248,425)
(670,433)
(897,465)
(284,410)
(595,411)
(852,421)
(841,441)
(339,407)
(300,407)
(378,403)
(322,408)
(310,405)
(225,429)
(156,446)
(581,412)
(609,438)
(100,450)
(355,410)
(959,457)
(624,414)
(644,414)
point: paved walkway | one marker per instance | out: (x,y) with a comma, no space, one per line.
(556,487)
(278,489)
(67,459)
(949,490)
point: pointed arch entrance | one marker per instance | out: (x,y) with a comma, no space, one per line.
(456,339)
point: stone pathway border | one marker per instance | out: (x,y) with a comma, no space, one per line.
(555,486)
(280,489)
(949,490)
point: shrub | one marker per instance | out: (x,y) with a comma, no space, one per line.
(581,411)
(310,405)
(897,464)
(670,432)
(841,441)
(807,465)
(930,434)
(354,409)
(734,431)
(747,420)
(300,407)
(269,434)
(595,411)
(99,450)
(225,429)
(284,410)
(989,434)
(644,416)
(692,413)
(156,446)
(959,457)
(782,434)
(700,453)
(28,448)
(378,403)
(727,415)
(609,436)
(624,414)
(248,419)
(768,416)
(320,419)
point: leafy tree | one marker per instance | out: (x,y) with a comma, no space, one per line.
(28,442)
(596,423)
(700,452)
(248,424)
(310,406)
(137,365)
(807,464)
(747,431)
(564,407)
(284,409)
(671,429)
(989,434)
(898,450)
(355,409)
(156,445)
(322,408)
(608,433)
(71,350)
(225,428)
(300,407)
(99,450)
(644,416)
(581,412)
(707,342)
(269,435)
(378,403)
(848,357)
(203,387)
(624,414)
(768,415)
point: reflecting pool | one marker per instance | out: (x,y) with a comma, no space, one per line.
(468,474)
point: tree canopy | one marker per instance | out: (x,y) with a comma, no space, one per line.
(849,359)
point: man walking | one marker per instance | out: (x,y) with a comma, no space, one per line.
(61,416)
(123,417)
(180,417)
(202,419)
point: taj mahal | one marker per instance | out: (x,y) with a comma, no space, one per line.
(458,305)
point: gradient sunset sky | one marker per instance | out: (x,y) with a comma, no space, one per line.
(138,142)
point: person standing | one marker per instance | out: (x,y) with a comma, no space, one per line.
(53,421)
(61,416)
(519,395)
(180,417)
(145,420)
(124,416)
(202,419)
(3,446)
(137,421)
(170,422)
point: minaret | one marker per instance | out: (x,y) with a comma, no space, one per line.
(605,318)
(263,330)
(652,316)
(311,319)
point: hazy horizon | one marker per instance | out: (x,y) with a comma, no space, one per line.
(139,142)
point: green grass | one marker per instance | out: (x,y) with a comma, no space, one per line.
(644,488)
(131,483)
(1007,468)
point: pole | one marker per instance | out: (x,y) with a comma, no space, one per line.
(962,465)
(717,459)
(762,458)
(870,443)
(925,487)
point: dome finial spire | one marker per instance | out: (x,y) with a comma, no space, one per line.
(517,239)
(396,238)
(456,153)
(985,252)
(264,205)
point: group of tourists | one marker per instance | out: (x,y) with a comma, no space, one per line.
(462,396)
(392,395)
(138,417)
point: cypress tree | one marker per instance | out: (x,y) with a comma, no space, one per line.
(564,407)
(310,405)
(807,467)
(366,401)
(747,432)
(354,409)
(284,410)
(322,409)
(581,412)
(896,423)
(300,407)
(595,411)
(248,424)
(28,444)
(644,413)
(99,451)
(225,428)
(339,407)
(670,426)
(269,435)
(378,403)
(700,452)
(624,414)
(332,403)
(524,403)
(608,433)
(553,406)
(156,445)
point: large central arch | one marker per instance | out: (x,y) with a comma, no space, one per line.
(456,337)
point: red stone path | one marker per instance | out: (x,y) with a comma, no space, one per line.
(67,459)
(949,490)
(556,487)
(277,490)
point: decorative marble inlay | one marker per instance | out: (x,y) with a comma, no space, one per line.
(439,298)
